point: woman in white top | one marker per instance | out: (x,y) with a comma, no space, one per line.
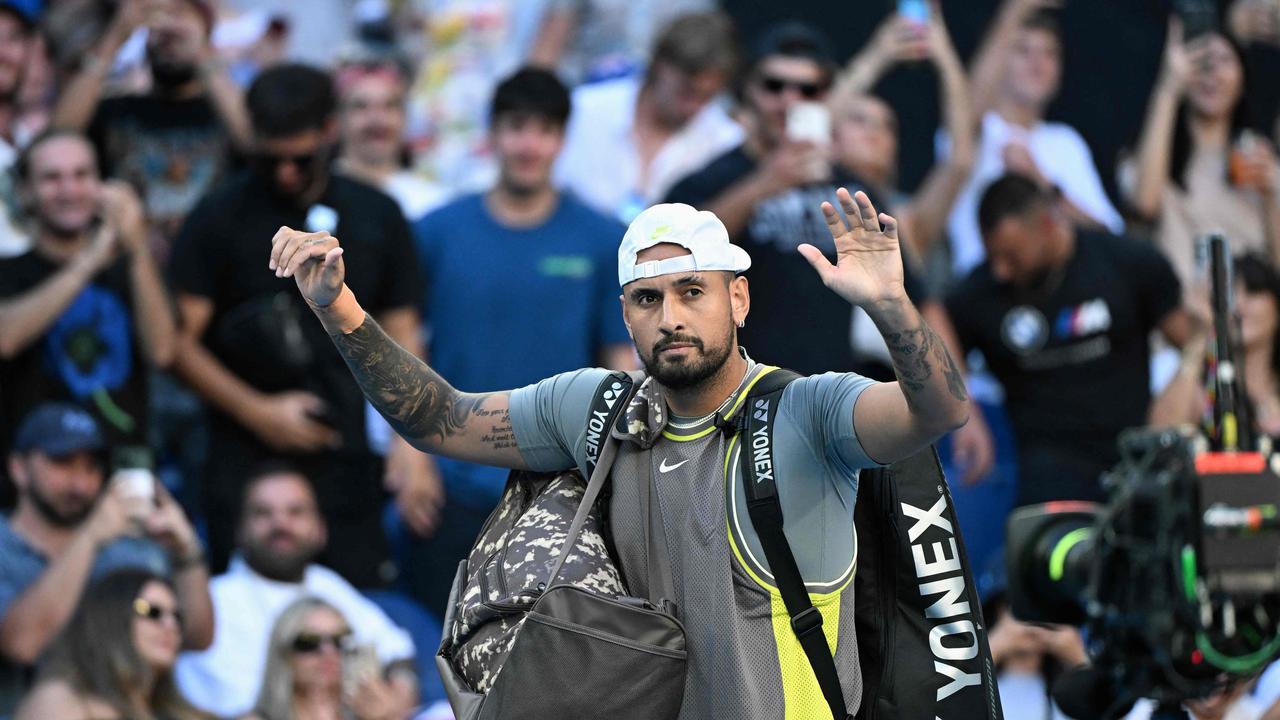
(1198,168)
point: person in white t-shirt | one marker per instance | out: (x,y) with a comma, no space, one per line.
(629,140)
(280,534)
(1016,74)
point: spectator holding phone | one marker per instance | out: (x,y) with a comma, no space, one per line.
(115,659)
(315,669)
(84,313)
(866,127)
(1198,167)
(767,191)
(68,528)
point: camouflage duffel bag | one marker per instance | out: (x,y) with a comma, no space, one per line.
(508,568)
(525,636)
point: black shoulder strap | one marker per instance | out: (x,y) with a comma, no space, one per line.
(607,407)
(611,398)
(755,423)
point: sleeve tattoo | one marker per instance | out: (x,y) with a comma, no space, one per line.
(916,353)
(415,400)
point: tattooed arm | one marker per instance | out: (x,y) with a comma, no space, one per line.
(421,406)
(892,420)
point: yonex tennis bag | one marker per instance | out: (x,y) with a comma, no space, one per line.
(922,642)
(538,623)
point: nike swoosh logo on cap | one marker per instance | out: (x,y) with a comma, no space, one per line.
(664,468)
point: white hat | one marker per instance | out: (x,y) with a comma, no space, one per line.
(700,232)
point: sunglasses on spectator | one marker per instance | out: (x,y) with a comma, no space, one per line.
(155,613)
(273,161)
(776,86)
(307,643)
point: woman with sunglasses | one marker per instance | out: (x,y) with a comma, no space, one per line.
(313,670)
(114,660)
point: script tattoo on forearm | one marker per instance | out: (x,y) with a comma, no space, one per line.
(915,354)
(416,401)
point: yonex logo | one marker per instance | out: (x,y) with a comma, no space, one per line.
(612,394)
(761,412)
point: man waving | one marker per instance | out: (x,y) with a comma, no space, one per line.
(683,299)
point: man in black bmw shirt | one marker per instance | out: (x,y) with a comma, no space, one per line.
(1063,318)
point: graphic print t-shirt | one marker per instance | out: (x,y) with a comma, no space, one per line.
(89,355)
(1074,360)
(170,151)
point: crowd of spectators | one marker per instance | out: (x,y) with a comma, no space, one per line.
(203,516)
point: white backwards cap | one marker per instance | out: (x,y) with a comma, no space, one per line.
(699,232)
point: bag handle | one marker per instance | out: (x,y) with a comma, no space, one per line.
(611,399)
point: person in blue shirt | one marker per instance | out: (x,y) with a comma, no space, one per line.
(71,526)
(520,286)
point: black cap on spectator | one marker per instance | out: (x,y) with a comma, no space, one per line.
(289,99)
(58,430)
(532,91)
(794,39)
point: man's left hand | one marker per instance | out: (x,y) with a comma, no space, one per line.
(168,525)
(868,267)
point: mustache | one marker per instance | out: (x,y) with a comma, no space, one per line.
(670,340)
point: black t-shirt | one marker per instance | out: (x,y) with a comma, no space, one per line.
(1074,361)
(795,320)
(90,355)
(261,328)
(171,151)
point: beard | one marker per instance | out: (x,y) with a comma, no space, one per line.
(688,374)
(167,74)
(274,565)
(53,514)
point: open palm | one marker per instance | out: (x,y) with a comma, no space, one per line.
(868,267)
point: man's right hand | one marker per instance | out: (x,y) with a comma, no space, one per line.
(116,514)
(793,163)
(314,260)
(287,422)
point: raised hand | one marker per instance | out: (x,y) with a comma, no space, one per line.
(899,39)
(122,210)
(868,267)
(314,260)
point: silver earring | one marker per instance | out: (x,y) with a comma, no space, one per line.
(742,323)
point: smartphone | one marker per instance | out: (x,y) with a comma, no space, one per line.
(357,666)
(1199,17)
(809,122)
(916,11)
(132,468)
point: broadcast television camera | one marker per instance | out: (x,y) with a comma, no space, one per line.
(1176,578)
